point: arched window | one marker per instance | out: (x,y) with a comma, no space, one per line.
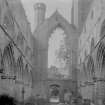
(100,54)
(102,33)
(90,66)
(58,54)
(20,40)
(80,61)
(26,74)
(8,21)
(1,63)
(86,54)
(8,59)
(20,67)
(92,45)
(84,69)
(92,14)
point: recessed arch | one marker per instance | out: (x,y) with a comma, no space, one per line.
(101,55)
(8,21)
(54,91)
(20,39)
(92,46)
(20,66)
(102,32)
(1,56)
(84,68)
(90,66)
(86,54)
(27,70)
(8,59)
(26,73)
(1,62)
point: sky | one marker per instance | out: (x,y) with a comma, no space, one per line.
(64,7)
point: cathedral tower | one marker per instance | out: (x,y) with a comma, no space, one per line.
(40,9)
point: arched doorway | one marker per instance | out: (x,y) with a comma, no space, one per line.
(54,93)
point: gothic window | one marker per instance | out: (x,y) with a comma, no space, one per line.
(27,70)
(20,38)
(102,33)
(80,60)
(26,73)
(92,14)
(27,51)
(58,56)
(8,21)
(21,41)
(84,30)
(100,54)
(85,54)
(1,63)
(90,66)
(8,58)
(20,66)
(102,59)
(92,45)
(84,69)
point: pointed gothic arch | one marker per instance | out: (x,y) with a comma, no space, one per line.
(92,46)
(26,73)
(20,40)
(102,32)
(1,63)
(1,56)
(8,21)
(101,55)
(20,66)
(30,79)
(90,66)
(84,68)
(8,59)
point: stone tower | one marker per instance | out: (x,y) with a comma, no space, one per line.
(40,9)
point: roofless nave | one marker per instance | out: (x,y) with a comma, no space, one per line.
(24,56)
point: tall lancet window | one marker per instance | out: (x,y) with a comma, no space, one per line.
(57,55)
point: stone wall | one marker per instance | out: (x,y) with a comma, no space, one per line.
(15,52)
(89,44)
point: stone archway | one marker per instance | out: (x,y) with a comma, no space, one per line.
(54,93)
